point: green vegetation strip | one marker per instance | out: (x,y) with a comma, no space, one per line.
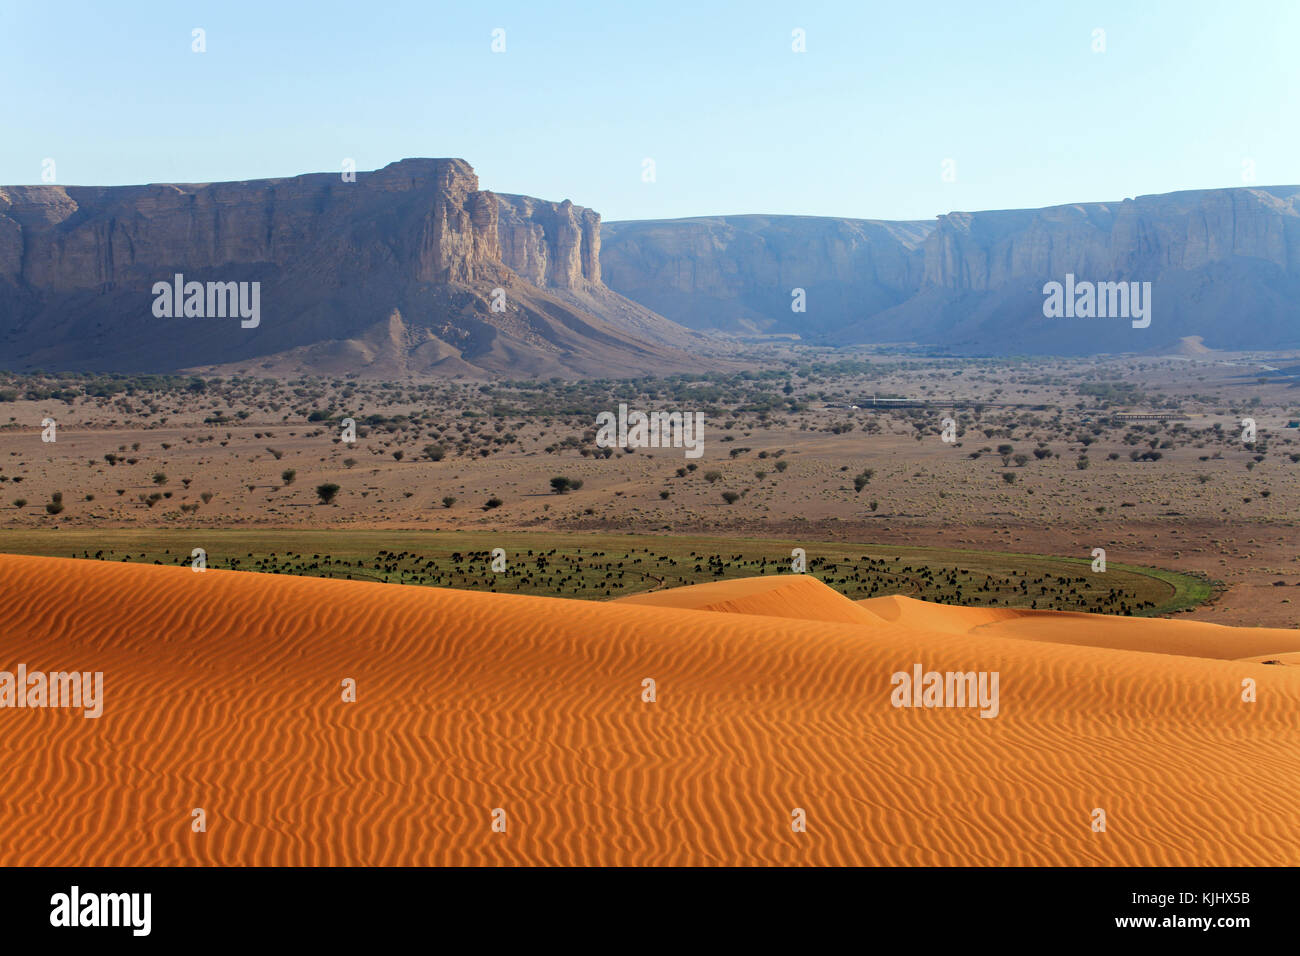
(603,566)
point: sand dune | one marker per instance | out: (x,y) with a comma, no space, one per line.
(805,598)
(1153,635)
(1291,659)
(800,597)
(222,691)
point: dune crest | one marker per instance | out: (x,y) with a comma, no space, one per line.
(1152,635)
(800,596)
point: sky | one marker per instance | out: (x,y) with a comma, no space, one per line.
(893,111)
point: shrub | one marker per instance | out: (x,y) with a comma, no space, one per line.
(326,492)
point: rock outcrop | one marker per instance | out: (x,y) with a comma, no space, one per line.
(416,243)
(556,245)
(736,274)
(1224,264)
(413,269)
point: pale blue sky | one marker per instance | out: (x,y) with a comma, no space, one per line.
(859,125)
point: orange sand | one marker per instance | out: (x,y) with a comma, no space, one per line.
(800,597)
(222,691)
(1154,635)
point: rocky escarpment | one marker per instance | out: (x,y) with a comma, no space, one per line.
(736,274)
(1150,235)
(550,244)
(416,243)
(1223,264)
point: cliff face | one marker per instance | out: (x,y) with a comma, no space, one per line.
(442,227)
(396,274)
(1224,264)
(417,238)
(1149,235)
(736,274)
(556,245)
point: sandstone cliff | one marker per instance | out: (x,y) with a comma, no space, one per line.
(1224,265)
(736,274)
(407,256)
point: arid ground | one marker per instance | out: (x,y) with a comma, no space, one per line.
(1041,464)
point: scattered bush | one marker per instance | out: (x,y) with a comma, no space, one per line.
(562,486)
